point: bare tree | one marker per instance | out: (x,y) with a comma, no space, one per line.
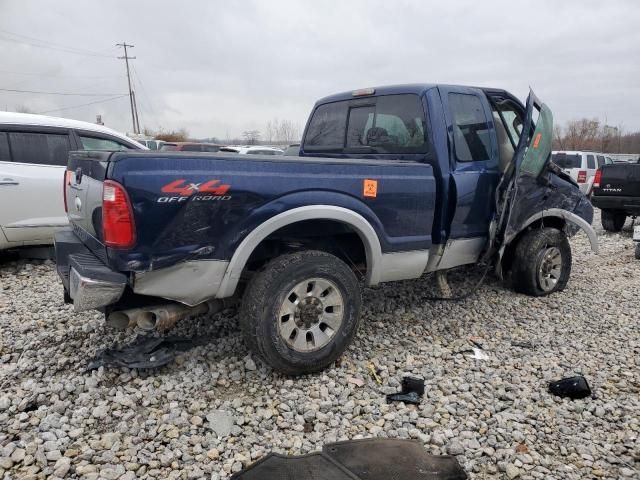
(593,134)
(251,137)
(180,135)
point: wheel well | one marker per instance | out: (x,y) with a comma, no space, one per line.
(551,222)
(331,236)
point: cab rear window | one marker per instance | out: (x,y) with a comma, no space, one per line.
(385,124)
(564,160)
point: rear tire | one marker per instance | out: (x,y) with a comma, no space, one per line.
(613,220)
(542,262)
(301,311)
(637,250)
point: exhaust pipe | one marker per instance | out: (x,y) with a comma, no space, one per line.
(162,317)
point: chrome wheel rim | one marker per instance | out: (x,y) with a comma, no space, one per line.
(549,268)
(311,314)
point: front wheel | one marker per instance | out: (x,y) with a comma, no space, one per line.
(542,262)
(301,311)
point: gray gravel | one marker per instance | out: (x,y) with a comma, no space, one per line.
(217,409)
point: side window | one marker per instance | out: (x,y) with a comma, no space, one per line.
(601,160)
(210,148)
(326,130)
(95,143)
(591,161)
(470,128)
(5,155)
(39,148)
(384,124)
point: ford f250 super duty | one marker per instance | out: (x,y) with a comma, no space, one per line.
(390,183)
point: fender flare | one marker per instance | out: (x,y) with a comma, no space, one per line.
(364,229)
(569,217)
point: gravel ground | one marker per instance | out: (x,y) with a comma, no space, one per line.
(216,410)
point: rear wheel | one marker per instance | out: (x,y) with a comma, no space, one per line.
(542,262)
(638,250)
(301,311)
(613,220)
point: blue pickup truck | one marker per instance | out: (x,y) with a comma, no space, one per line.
(390,183)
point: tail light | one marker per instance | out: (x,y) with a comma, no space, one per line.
(66,179)
(118,228)
(582,176)
(596,180)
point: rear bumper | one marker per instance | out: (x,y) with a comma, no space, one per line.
(88,282)
(631,205)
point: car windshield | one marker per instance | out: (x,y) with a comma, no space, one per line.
(566,160)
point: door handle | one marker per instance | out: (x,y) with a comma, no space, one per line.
(8,181)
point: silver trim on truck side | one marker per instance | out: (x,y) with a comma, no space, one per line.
(312,212)
(89,293)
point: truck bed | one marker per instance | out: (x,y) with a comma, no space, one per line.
(176,220)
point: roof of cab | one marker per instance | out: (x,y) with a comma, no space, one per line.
(411,88)
(14,118)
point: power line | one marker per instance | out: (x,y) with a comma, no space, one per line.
(134,108)
(136,76)
(50,75)
(60,93)
(35,42)
(83,104)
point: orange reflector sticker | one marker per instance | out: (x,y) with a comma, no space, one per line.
(370,188)
(536,141)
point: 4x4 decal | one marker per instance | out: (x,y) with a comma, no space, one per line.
(209,190)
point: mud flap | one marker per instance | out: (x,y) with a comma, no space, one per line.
(368,459)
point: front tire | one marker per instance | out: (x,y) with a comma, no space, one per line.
(301,311)
(613,220)
(542,262)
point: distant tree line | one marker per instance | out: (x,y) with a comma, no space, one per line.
(593,134)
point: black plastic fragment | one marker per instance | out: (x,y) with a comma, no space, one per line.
(412,391)
(572,387)
(143,352)
(367,459)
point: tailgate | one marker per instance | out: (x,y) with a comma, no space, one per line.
(86,171)
(620,179)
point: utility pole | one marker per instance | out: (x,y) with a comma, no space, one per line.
(126,59)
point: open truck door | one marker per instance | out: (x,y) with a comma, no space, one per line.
(533,193)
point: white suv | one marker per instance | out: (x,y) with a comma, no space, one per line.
(33,159)
(581,166)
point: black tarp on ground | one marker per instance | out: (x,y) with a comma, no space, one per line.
(368,459)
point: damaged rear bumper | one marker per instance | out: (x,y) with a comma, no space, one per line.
(88,282)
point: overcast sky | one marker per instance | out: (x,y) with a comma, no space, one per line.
(218,68)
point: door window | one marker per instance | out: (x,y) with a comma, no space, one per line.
(470,128)
(591,162)
(95,143)
(39,148)
(4,148)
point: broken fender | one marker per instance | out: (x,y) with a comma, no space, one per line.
(569,217)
